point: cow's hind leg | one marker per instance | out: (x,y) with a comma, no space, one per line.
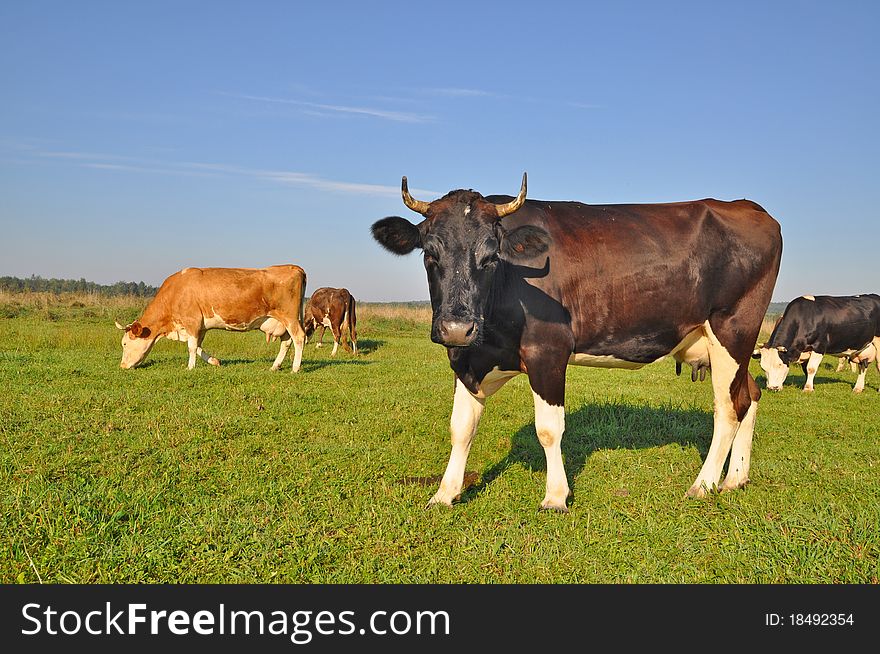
(741,451)
(733,407)
(860,382)
(337,334)
(298,336)
(320,342)
(282,351)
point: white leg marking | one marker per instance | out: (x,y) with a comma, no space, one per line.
(335,347)
(282,352)
(207,358)
(860,382)
(741,452)
(812,366)
(724,368)
(298,344)
(550,424)
(193,346)
(466,412)
(877,355)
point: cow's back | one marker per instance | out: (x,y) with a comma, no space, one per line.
(666,267)
(236,294)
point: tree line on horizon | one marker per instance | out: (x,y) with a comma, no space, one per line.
(38,284)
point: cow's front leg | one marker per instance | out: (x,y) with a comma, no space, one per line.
(204,356)
(547,379)
(207,358)
(549,425)
(466,412)
(812,367)
(192,343)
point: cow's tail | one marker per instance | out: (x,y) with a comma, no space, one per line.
(302,299)
(352,323)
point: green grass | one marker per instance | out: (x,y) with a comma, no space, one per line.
(239,474)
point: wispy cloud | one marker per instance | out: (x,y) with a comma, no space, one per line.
(398,116)
(121,163)
(460,93)
(455,92)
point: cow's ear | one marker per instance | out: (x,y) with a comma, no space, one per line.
(524,242)
(145,332)
(135,329)
(397,235)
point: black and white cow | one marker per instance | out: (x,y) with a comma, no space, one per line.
(530,286)
(815,325)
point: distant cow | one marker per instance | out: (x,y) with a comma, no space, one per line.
(813,326)
(194,300)
(841,364)
(333,308)
(531,286)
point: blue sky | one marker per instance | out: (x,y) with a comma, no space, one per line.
(140,138)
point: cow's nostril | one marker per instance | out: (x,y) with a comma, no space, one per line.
(455,333)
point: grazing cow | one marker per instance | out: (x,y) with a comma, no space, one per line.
(841,364)
(333,308)
(813,326)
(194,300)
(530,286)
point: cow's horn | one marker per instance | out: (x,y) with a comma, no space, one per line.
(118,326)
(416,205)
(510,207)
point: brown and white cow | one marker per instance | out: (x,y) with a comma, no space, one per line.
(333,308)
(531,286)
(194,300)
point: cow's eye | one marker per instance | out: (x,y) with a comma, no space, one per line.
(489,260)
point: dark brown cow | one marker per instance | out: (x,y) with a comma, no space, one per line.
(530,286)
(333,308)
(194,300)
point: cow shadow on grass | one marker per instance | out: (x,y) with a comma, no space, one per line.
(604,426)
(798,381)
(317,364)
(368,345)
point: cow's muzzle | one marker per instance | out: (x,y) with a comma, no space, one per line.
(455,333)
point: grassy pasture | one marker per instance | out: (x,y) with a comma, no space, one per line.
(239,474)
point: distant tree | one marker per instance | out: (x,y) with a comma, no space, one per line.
(38,284)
